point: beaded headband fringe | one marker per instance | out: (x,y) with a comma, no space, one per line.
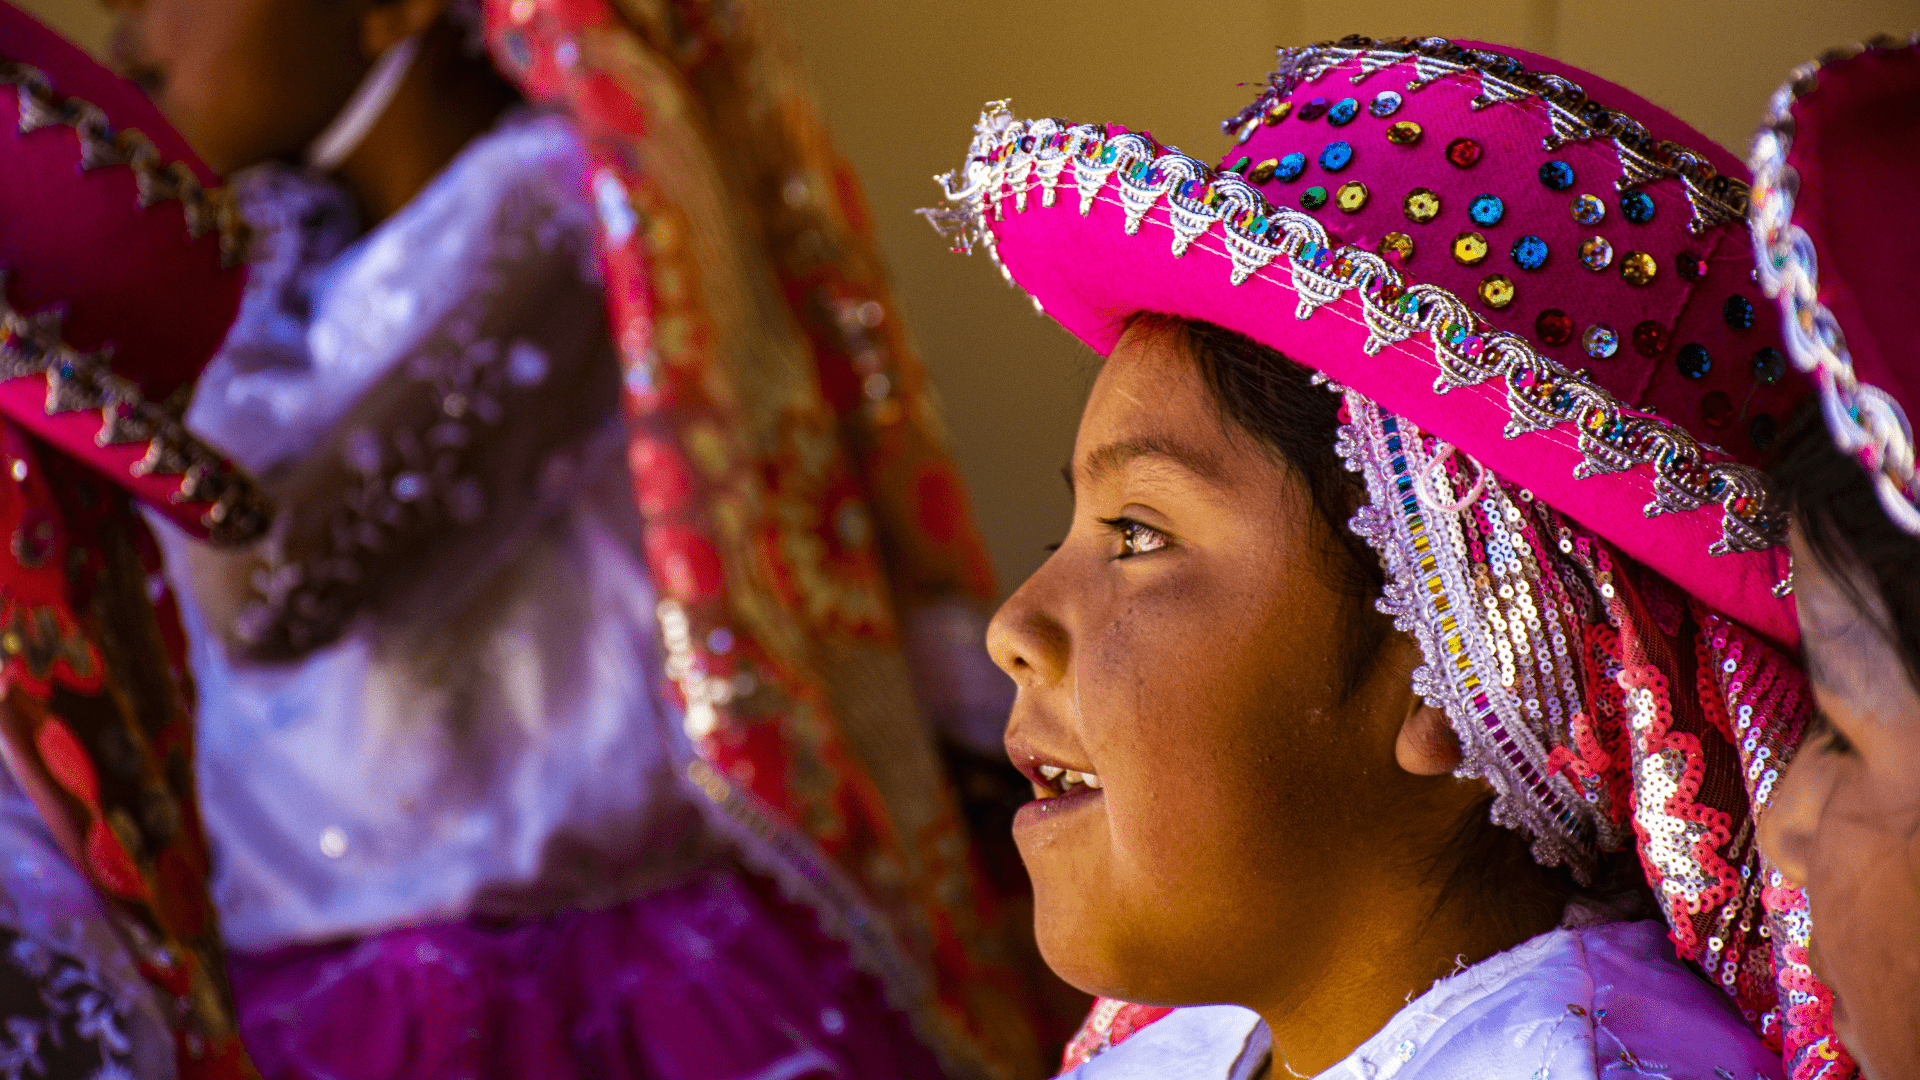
(1010,157)
(1865,421)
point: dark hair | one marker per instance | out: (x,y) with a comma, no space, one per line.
(1838,513)
(1486,868)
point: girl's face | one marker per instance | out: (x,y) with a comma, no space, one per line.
(1845,818)
(1184,649)
(244,81)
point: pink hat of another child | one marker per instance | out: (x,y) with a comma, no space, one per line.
(1836,204)
(119,274)
(1542,268)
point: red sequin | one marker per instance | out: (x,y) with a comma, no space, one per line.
(1553,327)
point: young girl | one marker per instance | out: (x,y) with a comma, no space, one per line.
(1834,193)
(1525,296)
(467,822)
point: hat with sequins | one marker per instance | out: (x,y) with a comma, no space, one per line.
(119,274)
(1535,265)
(1836,201)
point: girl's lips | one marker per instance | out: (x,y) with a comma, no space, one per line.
(1042,811)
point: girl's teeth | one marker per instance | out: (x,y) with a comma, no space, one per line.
(1050,772)
(1090,780)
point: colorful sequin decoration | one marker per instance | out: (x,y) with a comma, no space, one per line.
(1694,361)
(1638,268)
(1637,207)
(1351,196)
(1769,364)
(1738,312)
(1397,244)
(1404,133)
(1529,253)
(1385,103)
(1290,167)
(1496,290)
(1314,109)
(1264,171)
(1276,112)
(1553,327)
(1600,341)
(1463,153)
(1422,206)
(1343,112)
(1336,156)
(1486,209)
(1313,198)
(1469,248)
(1716,409)
(1650,338)
(1557,175)
(1596,253)
(1690,266)
(1589,210)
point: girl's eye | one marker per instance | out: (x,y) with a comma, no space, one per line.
(1821,730)
(1136,538)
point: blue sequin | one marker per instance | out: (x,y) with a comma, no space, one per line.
(1694,360)
(1637,207)
(1557,175)
(1385,103)
(1530,253)
(1738,312)
(1486,210)
(1343,112)
(1290,167)
(1335,156)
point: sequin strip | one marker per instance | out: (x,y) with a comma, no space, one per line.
(1470,650)
(1572,116)
(102,146)
(237,511)
(1012,159)
(1865,421)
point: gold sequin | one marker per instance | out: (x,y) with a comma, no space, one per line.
(1422,206)
(1351,196)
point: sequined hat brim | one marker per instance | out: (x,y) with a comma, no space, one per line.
(1096,223)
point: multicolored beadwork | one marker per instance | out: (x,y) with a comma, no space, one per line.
(1469,249)
(1694,361)
(1553,327)
(1557,175)
(1313,198)
(1385,104)
(1404,133)
(1289,168)
(1397,244)
(1636,207)
(1463,153)
(1342,112)
(1600,341)
(1486,209)
(1589,210)
(1336,156)
(1351,197)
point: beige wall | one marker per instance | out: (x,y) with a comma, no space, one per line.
(902,81)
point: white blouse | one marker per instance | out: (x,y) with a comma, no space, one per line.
(490,735)
(1609,1000)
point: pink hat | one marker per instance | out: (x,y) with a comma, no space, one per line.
(119,274)
(1554,279)
(1835,187)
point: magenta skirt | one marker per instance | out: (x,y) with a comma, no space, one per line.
(715,979)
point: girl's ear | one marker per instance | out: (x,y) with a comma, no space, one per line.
(388,22)
(1427,745)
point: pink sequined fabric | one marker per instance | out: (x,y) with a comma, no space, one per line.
(1595,695)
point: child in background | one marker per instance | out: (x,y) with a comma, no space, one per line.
(460,828)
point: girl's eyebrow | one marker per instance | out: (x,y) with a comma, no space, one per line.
(1114,455)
